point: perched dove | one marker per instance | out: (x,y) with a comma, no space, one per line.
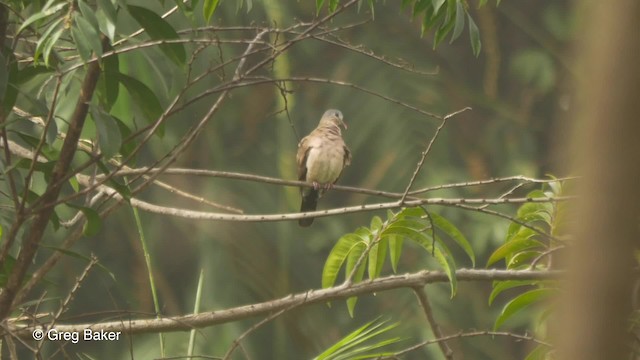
(322,155)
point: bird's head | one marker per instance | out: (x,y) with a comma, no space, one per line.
(333,117)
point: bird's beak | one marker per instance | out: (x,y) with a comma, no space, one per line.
(344,124)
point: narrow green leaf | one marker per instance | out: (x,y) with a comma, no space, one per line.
(109,85)
(500,286)
(420,6)
(395,250)
(336,258)
(41,15)
(123,190)
(482,3)
(474,36)
(109,10)
(49,46)
(376,223)
(77,255)
(82,44)
(353,345)
(539,353)
(142,96)
(455,234)
(437,4)
(127,147)
(45,37)
(319,4)
(443,30)
(88,13)
(459,24)
(522,241)
(108,133)
(333,5)
(352,259)
(158,29)
(209,8)
(521,302)
(377,255)
(90,34)
(93,224)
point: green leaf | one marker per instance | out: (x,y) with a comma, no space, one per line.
(521,302)
(142,96)
(108,133)
(420,6)
(336,258)
(377,255)
(459,24)
(109,10)
(127,147)
(158,29)
(90,34)
(333,5)
(395,249)
(376,223)
(437,4)
(319,4)
(82,44)
(443,30)
(455,234)
(353,346)
(352,259)
(482,3)
(46,11)
(209,7)
(500,286)
(46,37)
(539,353)
(49,46)
(89,14)
(76,255)
(121,189)
(474,36)
(93,224)
(109,85)
(522,241)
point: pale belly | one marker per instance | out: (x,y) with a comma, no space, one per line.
(324,165)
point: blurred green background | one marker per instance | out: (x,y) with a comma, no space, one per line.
(517,87)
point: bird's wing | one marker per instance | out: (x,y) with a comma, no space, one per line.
(301,158)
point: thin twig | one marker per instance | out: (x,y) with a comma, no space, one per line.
(427,150)
(421,294)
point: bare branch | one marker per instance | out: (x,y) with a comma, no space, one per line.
(205,319)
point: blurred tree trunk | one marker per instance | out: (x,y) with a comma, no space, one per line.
(606,151)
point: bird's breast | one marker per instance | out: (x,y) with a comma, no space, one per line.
(324,163)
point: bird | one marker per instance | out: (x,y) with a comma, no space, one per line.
(321,157)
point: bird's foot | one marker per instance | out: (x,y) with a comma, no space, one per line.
(316,186)
(328,186)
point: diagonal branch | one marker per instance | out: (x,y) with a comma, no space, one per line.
(34,235)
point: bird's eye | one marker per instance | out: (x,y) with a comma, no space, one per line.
(336,114)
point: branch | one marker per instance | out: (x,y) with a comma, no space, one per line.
(468,334)
(314,296)
(421,294)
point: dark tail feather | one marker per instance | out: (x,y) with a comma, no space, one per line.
(309,203)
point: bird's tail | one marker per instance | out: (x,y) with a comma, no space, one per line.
(309,203)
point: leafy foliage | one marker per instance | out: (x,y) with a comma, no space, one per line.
(355,346)
(531,239)
(366,248)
